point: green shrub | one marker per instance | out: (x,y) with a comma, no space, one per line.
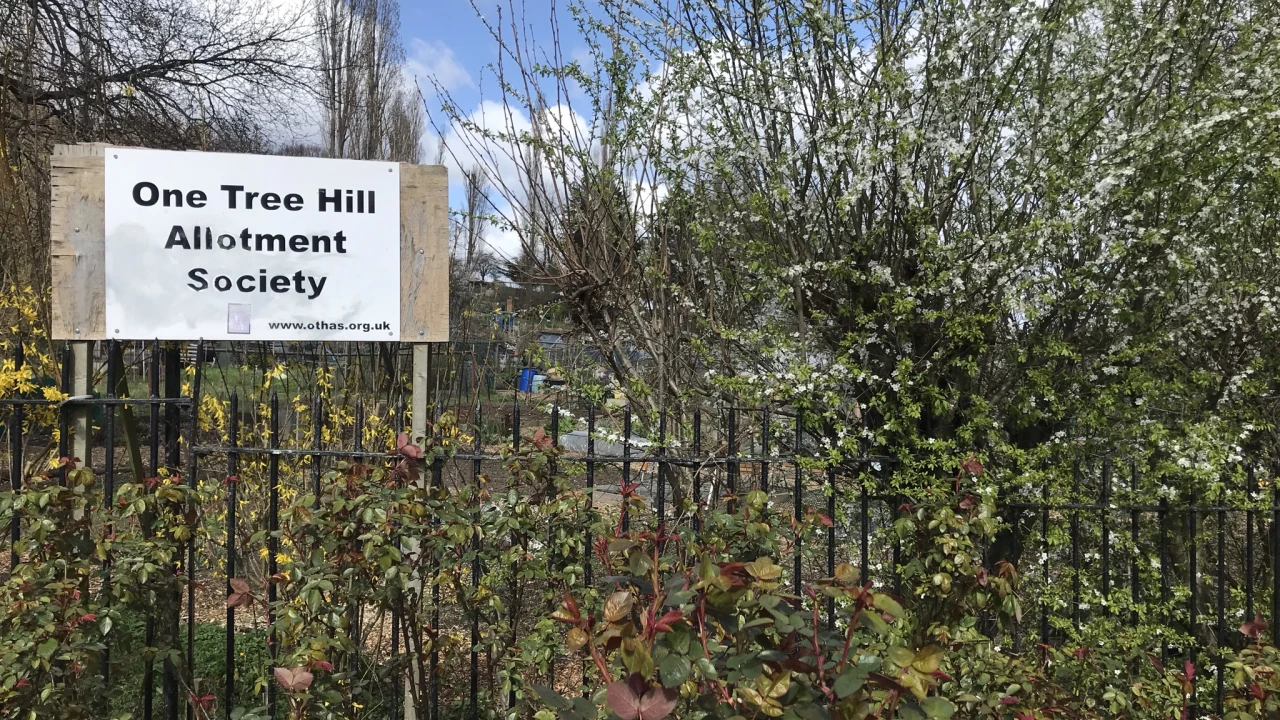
(678,623)
(129,653)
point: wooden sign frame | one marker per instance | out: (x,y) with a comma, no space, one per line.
(77,236)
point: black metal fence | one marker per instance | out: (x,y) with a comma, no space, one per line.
(1086,538)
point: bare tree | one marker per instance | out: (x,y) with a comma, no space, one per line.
(477,205)
(367,111)
(404,128)
(210,75)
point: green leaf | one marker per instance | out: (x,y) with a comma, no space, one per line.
(911,711)
(47,648)
(849,682)
(874,622)
(550,697)
(674,670)
(928,659)
(812,711)
(706,669)
(900,656)
(585,708)
(938,707)
(679,639)
(884,603)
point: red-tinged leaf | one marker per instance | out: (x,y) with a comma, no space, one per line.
(967,502)
(905,508)
(1155,661)
(886,682)
(1254,628)
(231,480)
(982,577)
(798,666)
(940,675)
(657,703)
(735,572)
(1008,700)
(204,702)
(568,611)
(665,622)
(622,700)
(971,466)
(1026,716)
(1189,672)
(407,448)
(541,440)
(1080,653)
(21,684)
(323,665)
(293,679)
(825,520)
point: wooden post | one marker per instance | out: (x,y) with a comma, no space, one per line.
(421,407)
(77,233)
(420,404)
(81,424)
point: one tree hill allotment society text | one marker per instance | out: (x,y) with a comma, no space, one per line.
(336,200)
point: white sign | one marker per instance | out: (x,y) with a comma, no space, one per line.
(220,246)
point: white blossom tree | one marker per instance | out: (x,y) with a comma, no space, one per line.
(1035,231)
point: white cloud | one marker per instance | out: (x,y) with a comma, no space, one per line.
(483,142)
(504,242)
(433,63)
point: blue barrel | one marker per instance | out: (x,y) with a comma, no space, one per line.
(526,379)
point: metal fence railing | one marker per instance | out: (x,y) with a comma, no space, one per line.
(1093,546)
